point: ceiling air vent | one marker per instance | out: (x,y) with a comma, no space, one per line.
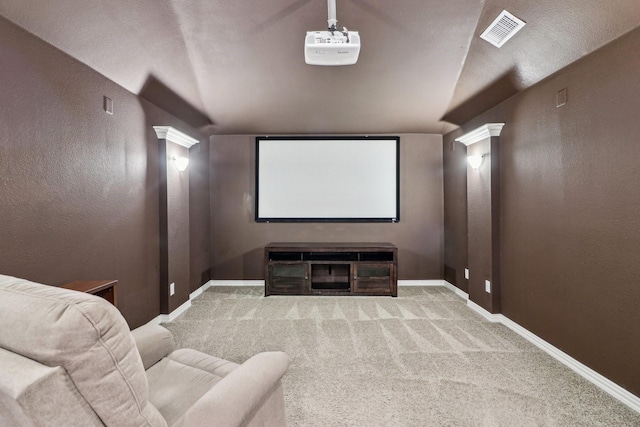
(502,29)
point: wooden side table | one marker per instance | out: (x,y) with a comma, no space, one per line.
(106,289)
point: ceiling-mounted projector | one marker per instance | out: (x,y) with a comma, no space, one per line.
(324,48)
(334,46)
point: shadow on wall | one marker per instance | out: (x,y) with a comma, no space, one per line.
(250,263)
(160,95)
(503,88)
(253,262)
(179,200)
(418,266)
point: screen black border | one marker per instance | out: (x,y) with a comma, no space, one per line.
(323,138)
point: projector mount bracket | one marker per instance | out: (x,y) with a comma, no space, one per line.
(337,46)
(333,21)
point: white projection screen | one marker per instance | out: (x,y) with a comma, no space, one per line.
(327,179)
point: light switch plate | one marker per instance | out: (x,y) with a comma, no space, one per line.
(108,105)
(561,98)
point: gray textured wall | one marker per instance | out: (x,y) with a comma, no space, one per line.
(237,240)
(78,187)
(570,229)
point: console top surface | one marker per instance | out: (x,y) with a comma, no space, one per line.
(331,245)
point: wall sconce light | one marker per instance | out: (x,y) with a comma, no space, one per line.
(181,163)
(475,161)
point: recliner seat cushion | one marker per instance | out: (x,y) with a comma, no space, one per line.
(181,378)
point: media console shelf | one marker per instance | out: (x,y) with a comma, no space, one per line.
(330,269)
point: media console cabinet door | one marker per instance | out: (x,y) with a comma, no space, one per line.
(288,278)
(370,278)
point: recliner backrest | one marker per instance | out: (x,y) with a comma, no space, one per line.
(86,336)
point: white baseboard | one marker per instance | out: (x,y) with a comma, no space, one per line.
(237,283)
(624,396)
(608,386)
(462,294)
(195,294)
(420,283)
(493,318)
(444,283)
(168,318)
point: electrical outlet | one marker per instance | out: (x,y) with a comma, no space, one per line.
(487,286)
(466,273)
(172,289)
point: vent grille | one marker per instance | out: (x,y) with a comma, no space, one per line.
(502,29)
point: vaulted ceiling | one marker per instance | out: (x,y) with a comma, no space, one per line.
(238,66)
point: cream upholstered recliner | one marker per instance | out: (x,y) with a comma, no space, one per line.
(68,359)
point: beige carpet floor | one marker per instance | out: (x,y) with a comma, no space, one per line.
(421,359)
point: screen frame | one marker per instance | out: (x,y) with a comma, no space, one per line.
(261,219)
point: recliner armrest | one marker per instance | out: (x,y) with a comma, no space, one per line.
(237,397)
(154,342)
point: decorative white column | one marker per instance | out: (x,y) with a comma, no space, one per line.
(173,147)
(172,134)
(483,215)
(483,132)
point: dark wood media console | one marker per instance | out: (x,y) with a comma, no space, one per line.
(331,269)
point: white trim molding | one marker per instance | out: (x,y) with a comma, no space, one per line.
(483,132)
(195,294)
(420,283)
(493,318)
(605,384)
(444,283)
(168,318)
(172,134)
(237,283)
(608,386)
(462,294)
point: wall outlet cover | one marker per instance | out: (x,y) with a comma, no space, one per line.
(487,286)
(466,273)
(172,289)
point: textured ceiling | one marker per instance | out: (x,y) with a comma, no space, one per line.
(238,66)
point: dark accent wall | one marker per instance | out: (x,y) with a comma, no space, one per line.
(174,227)
(78,187)
(199,215)
(237,241)
(570,229)
(454,161)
